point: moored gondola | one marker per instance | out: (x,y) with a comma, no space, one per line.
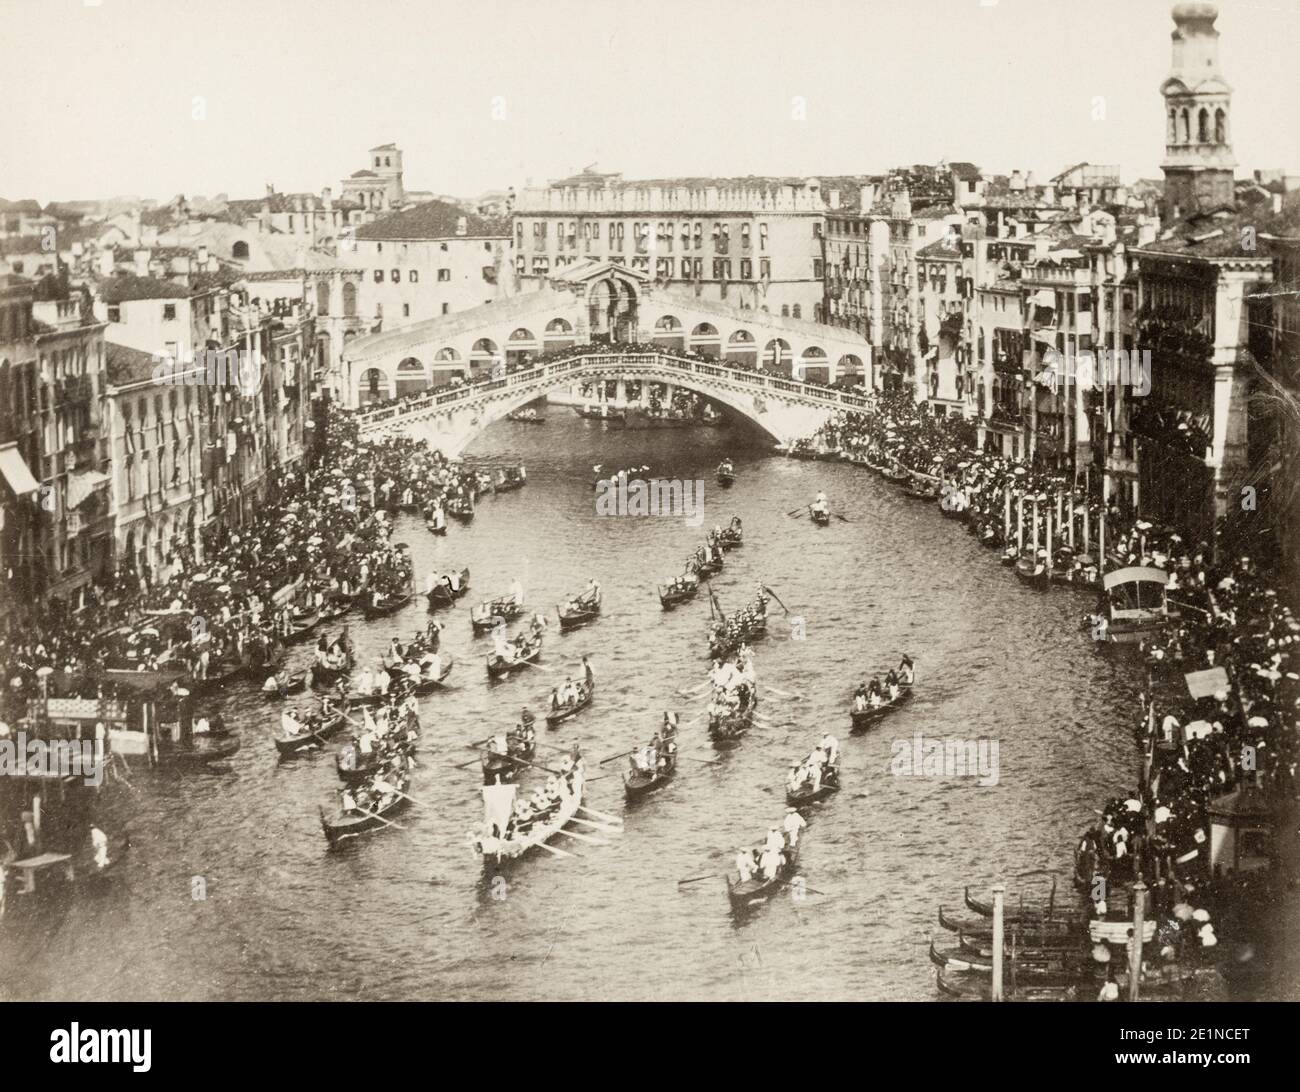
(301,623)
(1034,572)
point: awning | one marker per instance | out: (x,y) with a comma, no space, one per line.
(15,471)
(82,483)
(1044,297)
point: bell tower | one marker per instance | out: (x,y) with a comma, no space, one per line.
(1198,164)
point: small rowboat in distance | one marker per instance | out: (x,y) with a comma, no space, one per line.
(820,516)
(895,474)
(350,824)
(527,416)
(726,474)
(862,719)
(313,735)
(529,653)
(485,616)
(746,893)
(641,783)
(732,536)
(806,794)
(441,594)
(560,714)
(1033,572)
(726,732)
(672,594)
(579,610)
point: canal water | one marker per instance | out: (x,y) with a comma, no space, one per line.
(230,891)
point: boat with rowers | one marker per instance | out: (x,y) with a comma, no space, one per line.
(365,807)
(705,562)
(461,508)
(816,777)
(578,610)
(504,757)
(301,622)
(873,701)
(444,591)
(678,590)
(762,873)
(511,827)
(381,604)
(486,616)
(303,733)
(726,473)
(526,416)
(731,537)
(575,699)
(507,657)
(651,767)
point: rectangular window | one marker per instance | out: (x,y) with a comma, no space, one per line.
(444,274)
(115,314)
(406,310)
(413,276)
(169,312)
(817,268)
(395,276)
(379,276)
(446,307)
(765,268)
(746,269)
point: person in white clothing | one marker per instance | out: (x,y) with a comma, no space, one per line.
(794,823)
(770,862)
(744,864)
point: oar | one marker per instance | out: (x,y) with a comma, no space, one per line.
(839,517)
(412,799)
(583,837)
(802,887)
(799,509)
(611,758)
(601,815)
(697,879)
(539,667)
(696,689)
(706,761)
(784,693)
(606,827)
(552,849)
(386,822)
(776,597)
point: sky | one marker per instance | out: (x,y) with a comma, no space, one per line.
(158,97)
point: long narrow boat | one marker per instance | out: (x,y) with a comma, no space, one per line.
(388,604)
(820,516)
(805,794)
(746,893)
(579,610)
(501,768)
(922,490)
(726,474)
(527,416)
(486,616)
(732,536)
(301,624)
(350,824)
(197,753)
(311,736)
(336,606)
(641,783)
(670,596)
(896,474)
(326,678)
(295,683)
(461,508)
(499,667)
(1040,933)
(1020,911)
(1035,960)
(710,567)
(862,719)
(562,713)
(428,682)
(442,595)
(514,844)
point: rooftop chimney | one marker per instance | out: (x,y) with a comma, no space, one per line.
(203,256)
(1016,182)
(142,263)
(462,225)
(833,198)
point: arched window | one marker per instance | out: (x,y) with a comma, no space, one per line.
(349,299)
(1220,126)
(322,297)
(1173,126)
(1203,126)
(239,251)
(1185,130)
(796,311)
(410,377)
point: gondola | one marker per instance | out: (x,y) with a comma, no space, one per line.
(219,674)
(301,624)
(708,568)
(196,753)
(498,668)
(726,474)
(725,645)
(746,893)
(1019,911)
(290,684)
(326,678)
(1010,556)
(526,417)
(821,517)
(640,783)
(313,736)
(336,606)
(579,610)
(486,616)
(1038,933)
(427,683)
(732,537)
(504,769)
(922,490)
(388,604)
(460,508)
(560,714)
(726,732)
(442,595)
(339,828)
(670,595)
(355,769)
(1033,572)
(438,529)
(805,794)
(862,719)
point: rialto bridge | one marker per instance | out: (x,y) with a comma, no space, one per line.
(610,323)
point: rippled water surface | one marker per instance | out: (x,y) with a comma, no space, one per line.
(411,914)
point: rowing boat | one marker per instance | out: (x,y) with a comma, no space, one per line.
(732,536)
(302,623)
(442,593)
(638,783)
(310,736)
(862,719)
(726,474)
(461,508)
(486,616)
(290,684)
(196,752)
(387,604)
(820,516)
(559,714)
(670,595)
(896,474)
(513,844)
(746,893)
(805,794)
(579,610)
(529,653)
(727,730)
(1034,573)
(351,824)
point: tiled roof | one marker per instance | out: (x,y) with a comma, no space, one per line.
(363,174)
(126,365)
(1222,234)
(24,205)
(279,203)
(433,220)
(22,244)
(127,286)
(941,248)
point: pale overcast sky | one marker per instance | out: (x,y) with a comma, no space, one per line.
(104,98)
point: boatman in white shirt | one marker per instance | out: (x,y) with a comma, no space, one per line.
(794,823)
(744,864)
(770,862)
(517,591)
(831,746)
